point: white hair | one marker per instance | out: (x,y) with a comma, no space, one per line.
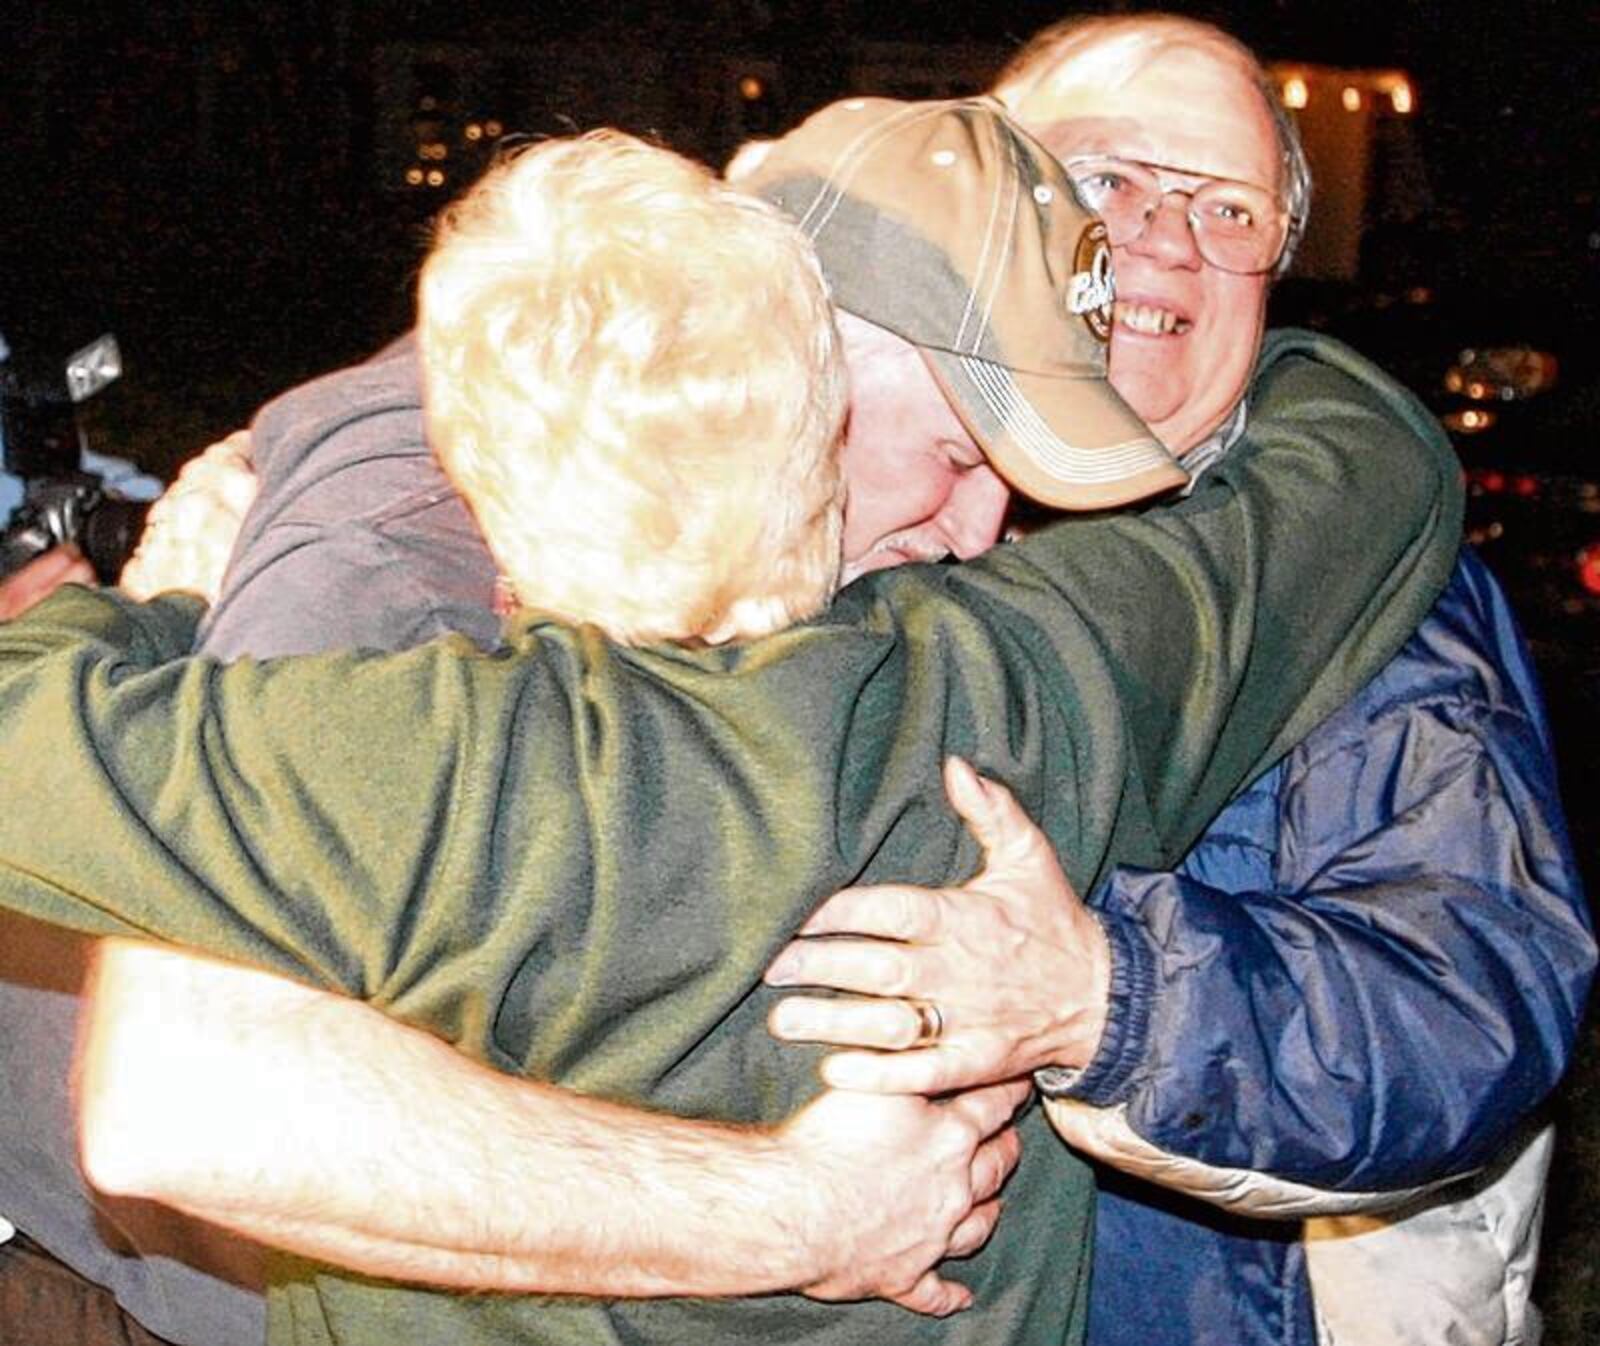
(633,377)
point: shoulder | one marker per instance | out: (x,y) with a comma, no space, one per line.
(1457,712)
(347,446)
(364,413)
(1314,375)
(1467,649)
(304,589)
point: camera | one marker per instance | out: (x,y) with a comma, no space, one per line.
(44,446)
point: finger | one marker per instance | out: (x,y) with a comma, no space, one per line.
(991,1107)
(997,822)
(935,1296)
(886,911)
(927,1070)
(868,966)
(974,1231)
(888,1025)
(994,1162)
(982,811)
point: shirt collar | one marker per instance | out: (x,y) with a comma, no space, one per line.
(1208,452)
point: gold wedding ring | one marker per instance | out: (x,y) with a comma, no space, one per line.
(930,1022)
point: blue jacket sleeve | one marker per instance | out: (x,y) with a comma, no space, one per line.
(1373,965)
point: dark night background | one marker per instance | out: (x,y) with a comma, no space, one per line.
(223,186)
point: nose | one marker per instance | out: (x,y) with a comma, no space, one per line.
(971,517)
(1168,238)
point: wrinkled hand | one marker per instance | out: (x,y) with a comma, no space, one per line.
(904,1183)
(1015,963)
(40,578)
(190,533)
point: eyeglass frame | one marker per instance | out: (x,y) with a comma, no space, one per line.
(1286,216)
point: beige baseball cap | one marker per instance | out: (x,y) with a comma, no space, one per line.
(947,224)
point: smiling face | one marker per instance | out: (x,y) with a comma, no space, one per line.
(918,487)
(1187,333)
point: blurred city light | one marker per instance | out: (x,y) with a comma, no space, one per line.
(1470,422)
(1502,373)
(1589,569)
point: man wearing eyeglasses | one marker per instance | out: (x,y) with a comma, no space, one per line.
(1333,999)
(1201,202)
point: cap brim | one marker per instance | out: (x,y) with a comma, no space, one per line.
(1070,443)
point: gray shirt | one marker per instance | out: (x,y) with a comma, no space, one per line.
(356,539)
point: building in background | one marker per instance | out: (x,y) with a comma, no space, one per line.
(1357,126)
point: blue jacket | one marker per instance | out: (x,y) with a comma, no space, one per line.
(1365,975)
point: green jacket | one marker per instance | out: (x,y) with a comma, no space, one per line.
(574,860)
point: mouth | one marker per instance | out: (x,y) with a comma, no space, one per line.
(1149,319)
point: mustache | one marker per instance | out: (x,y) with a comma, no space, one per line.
(911,545)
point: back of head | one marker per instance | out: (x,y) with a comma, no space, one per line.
(1104,52)
(632,376)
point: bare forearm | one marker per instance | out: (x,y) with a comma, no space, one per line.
(622,1229)
(313,1123)
(390,1179)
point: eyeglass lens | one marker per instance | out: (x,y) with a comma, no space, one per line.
(1237,225)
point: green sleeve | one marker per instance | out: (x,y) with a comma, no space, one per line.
(487,843)
(1235,621)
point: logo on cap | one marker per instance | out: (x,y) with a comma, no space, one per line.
(1093,287)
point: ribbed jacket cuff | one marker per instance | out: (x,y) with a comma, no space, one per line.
(1123,1043)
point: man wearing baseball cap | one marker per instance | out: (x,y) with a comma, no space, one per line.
(934,222)
(799,766)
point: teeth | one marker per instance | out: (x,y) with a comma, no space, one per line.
(1148,319)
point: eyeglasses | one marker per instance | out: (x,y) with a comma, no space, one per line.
(1237,226)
